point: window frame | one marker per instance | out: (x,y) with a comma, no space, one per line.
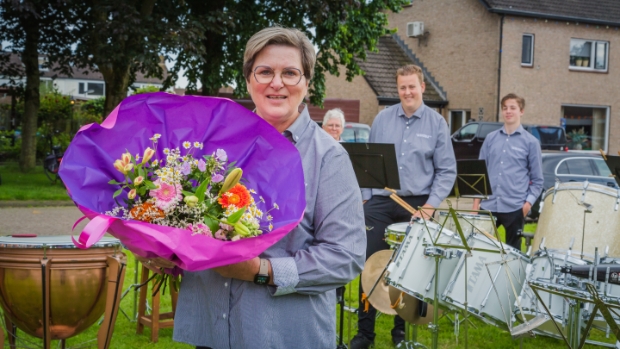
(464,113)
(607,121)
(531,64)
(86,86)
(592,57)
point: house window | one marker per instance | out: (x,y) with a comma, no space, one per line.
(91,89)
(587,128)
(588,55)
(527,50)
(43,64)
(458,118)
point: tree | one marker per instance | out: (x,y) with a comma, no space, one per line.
(120,38)
(340,29)
(34,28)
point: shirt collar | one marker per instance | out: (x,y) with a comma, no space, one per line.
(417,114)
(294,132)
(519,130)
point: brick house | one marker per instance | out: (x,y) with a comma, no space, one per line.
(558,54)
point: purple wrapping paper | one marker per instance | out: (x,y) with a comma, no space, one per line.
(271,165)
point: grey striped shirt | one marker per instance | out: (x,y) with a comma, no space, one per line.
(325,251)
(426,164)
(514,164)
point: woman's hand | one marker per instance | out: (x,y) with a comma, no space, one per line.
(242,271)
(155,264)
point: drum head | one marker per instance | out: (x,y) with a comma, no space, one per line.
(58,241)
(397,227)
(373,270)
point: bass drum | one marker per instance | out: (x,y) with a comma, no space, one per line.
(563,217)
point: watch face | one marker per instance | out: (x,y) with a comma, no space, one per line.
(261,279)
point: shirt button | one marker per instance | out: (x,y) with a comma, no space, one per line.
(504,151)
(405,141)
(226,284)
(224,316)
(407,127)
(500,174)
(501,162)
(401,168)
(402,154)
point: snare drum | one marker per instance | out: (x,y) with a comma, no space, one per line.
(470,223)
(492,282)
(395,233)
(563,212)
(412,271)
(74,284)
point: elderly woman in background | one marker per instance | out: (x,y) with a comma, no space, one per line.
(333,123)
(284,298)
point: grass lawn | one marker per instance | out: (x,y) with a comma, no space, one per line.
(480,334)
(28,186)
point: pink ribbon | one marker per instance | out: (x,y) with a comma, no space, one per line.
(93,231)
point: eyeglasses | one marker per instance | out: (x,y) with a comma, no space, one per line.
(289,76)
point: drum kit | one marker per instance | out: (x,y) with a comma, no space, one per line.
(456,262)
(39,274)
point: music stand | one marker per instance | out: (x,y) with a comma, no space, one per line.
(472,180)
(613,162)
(374,164)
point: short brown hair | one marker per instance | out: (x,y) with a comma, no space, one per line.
(520,100)
(277,35)
(410,69)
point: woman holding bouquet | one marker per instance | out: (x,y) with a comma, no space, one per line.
(285,298)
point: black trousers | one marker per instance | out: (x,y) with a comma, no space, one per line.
(513,222)
(379,212)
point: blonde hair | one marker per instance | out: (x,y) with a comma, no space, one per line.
(335,113)
(410,69)
(279,36)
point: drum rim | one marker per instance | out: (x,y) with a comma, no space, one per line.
(594,187)
(468,215)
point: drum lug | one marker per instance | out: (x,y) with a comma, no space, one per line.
(585,188)
(617,200)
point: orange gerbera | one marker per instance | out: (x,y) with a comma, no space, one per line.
(146,212)
(237,196)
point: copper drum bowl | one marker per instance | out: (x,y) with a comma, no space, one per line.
(77,283)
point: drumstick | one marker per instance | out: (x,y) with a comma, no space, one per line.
(488,235)
(402,202)
(603,154)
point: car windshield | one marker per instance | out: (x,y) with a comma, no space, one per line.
(355,135)
(549,135)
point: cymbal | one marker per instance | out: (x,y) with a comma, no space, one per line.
(373,268)
(407,307)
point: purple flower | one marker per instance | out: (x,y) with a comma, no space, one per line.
(202,165)
(186,168)
(220,155)
(217,178)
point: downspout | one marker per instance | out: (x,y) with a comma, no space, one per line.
(499,67)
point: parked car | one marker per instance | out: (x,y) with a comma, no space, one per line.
(355,133)
(572,167)
(468,140)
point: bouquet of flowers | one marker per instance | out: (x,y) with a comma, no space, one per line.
(186,186)
(204,196)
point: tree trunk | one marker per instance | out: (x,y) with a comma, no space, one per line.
(30,58)
(116,79)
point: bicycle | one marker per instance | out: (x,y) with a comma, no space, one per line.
(51,164)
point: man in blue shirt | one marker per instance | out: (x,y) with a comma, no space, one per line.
(426,168)
(514,164)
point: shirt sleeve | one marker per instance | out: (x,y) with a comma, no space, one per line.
(337,253)
(445,167)
(535,170)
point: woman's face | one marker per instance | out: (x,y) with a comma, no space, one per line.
(334,128)
(276,102)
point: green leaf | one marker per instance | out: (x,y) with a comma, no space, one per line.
(235,217)
(141,191)
(114,182)
(150,185)
(188,193)
(117,193)
(213,224)
(202,189)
